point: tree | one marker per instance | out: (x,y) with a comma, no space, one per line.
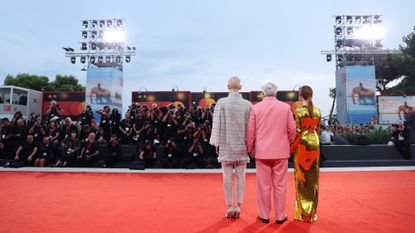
(64,83)
(332,94)
(388,68)
(41,83)
(27,81)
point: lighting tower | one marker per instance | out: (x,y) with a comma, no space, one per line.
(357,39)
(102,44)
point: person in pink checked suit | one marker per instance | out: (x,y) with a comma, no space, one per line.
(271,129)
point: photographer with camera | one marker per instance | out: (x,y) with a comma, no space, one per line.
(37,129)
(171,156)
(86,116)
(115,120)
(53,110)
(195,156)
(113,148)
(105,123)
(169,124)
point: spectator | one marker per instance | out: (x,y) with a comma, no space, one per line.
(70,150)
(400,135)
(326,135)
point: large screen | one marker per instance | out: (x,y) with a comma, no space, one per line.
(392,108)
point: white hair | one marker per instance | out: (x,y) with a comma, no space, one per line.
(234,83)
(269,88)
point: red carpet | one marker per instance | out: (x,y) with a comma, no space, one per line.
(105,202)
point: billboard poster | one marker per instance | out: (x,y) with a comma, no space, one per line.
(392,108)
(104,87)
(71,103)
(206,99)
(360,93)
(161,98)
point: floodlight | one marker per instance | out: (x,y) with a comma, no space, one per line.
(127,59)
(119,22)
(85,24)
(92,59)
(370,32)
(338,19)
(101,23)
(73,60)
(107,59)
(109,23)
(358,20)
(84,46)
(94,34)
(82,60)
(94,23)
(328,57)
(339,31)
(349,19)
(100,59)
(377,19)
(114,36)
(118,59)
(84,34)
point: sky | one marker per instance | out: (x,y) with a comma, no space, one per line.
(194,44)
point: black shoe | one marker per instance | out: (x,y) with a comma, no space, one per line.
(263,220)
(282,221)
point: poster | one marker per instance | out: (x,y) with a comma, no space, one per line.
(392,108)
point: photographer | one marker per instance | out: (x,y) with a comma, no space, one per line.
(105,123)
(194,157)
(70,147)
(20,132)
(89,152)
(37,130)
(86,116)
(400,136)
(126,129)
(113,148)
(45,153)
(6,138)
(53,110)
(147,154)
(115,120)
(169,124)
(171,156)
(25,153)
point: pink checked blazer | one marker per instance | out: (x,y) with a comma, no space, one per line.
(271,129)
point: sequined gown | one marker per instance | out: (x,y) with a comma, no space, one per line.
(306,150)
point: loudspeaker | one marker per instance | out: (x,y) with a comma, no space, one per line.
(137,165)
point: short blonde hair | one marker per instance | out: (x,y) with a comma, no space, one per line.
(269,88)
(234,83)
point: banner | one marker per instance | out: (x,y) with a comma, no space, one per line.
(392,108)
(361,87)
(161,98)
(205,99)
(104,87)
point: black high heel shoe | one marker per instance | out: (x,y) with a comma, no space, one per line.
(266,221)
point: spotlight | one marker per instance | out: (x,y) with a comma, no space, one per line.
(349,19)
(339,43)
(339,31)
(377,19)
(118,59)
(73,60)
(71,49)
(94,34)
(84,46)
(92,59)
(66,49)
(349,30)
(93,46)
(358,20)
(366,19)
(85,24)
(378,43)
(340,58)
(107,59)
(82,60)
(119,22)
(100,59)
(101,34)
(129,48)
(328,57)
(94,23)
(338,19)
(84,34)
(109,23)
(127,59)
(101,23)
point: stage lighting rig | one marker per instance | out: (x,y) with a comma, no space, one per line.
(102,44)
(357,38)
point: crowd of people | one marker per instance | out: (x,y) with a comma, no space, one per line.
(165,137)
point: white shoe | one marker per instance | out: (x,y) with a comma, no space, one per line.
(229,213)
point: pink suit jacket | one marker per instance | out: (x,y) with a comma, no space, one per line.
(271,129)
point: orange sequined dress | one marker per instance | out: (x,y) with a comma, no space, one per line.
(306,150)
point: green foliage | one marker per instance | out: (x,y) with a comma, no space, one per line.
(41,83)
(27,81)
(379,136)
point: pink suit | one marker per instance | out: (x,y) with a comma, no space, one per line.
(271,128)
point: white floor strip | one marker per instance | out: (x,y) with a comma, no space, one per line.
(207,171)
